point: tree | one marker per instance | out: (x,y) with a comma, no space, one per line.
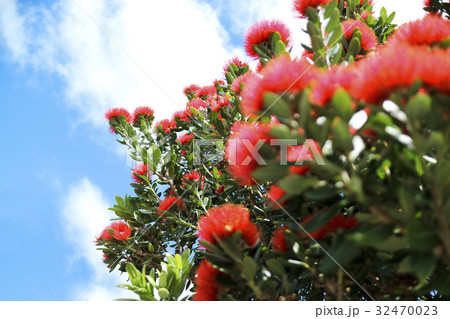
(321,177)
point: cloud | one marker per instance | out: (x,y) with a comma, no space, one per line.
(120,53)
(84,214)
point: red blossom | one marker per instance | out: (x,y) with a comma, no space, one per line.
(224,221)
(278,76)
(259,33)
(274,195)
(278,241)
(368,37)
(236,61)
(197,104)
(300,154)
(219,189)
(236,85)
(105,235)
(169,202)
(301,5)
(207,90)
(206,285)
(427,31)
(219,82)
(191,89)
(144,110)
(337,222)
(193,176)
(141,169)
(121,231)
(185,138)
(398,67)
(182,115)
(239,150)
(115,112)
(167,125)
(327,82)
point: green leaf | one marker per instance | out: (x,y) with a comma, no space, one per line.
(330,9)
(270,173)
(342,140)
(276,267)
(134,274)
(295,184)
(353,48)
(275,105)
(421,236)
(334,21)
(341,253)
(274,38)
(164,293)
(249,268)
(341,102)
(280,48)
(383,14)
(312,15)
(418,106)
(390,18)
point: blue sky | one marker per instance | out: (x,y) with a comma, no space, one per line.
(60,168)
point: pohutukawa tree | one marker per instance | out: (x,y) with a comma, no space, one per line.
(319,177)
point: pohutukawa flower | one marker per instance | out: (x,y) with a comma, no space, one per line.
(278,240)
(275,194)
(300,154)
(185,138)
(193,176)
(169,203)
(183,115)
(368,38)
(197,104)
(105,235)
(259,33)
(206,285)
(206,91)
(191,89)
(236,61)
(236,85)
(280,75)
(301,5)
(427,31)
(112,116)
(219,82)
(141,169)
(399,67)
(337,222)
(224,221)
(167,125)
(241,149)
(327,82)
(121,231)
(145,111)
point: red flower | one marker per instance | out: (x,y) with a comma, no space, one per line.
(259,33)
(207,287)
(207,90)
(219,82)
(240,148)
(397,67)
(115,112)
(274,195)
(301,153)
(105,235)
(182,115)
(427,31)
(185,138)
(219,189)
(368,37)
(197,104)
(112,116)
(143,110)
(235,86)
(278,241)
(279,76)
(301,5)
(193,177)
(191,89)
(327,82)
(236,61)
(167,125)
(141,169)
(121,230)
(224,221)
(337,222)
(169,202)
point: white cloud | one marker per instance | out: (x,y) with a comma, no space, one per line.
(176,42)
(84,214)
